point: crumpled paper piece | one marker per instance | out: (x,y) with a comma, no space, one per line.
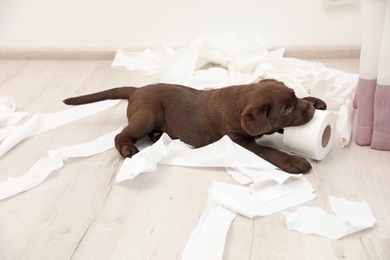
(223,153)
(243,61)
(185,65)
(147,159)
(247,175)
(41,122)
(350,217)
(255,201)
(54,161)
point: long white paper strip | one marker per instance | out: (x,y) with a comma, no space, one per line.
(55,160)
(223,153)
(207,240)
(350,217)
(174,152)
(44,121)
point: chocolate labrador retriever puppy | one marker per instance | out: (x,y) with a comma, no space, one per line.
(201,117)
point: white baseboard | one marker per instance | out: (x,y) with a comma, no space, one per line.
(342,52)
(300,52)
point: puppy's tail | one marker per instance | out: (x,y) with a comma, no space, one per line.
(115,93)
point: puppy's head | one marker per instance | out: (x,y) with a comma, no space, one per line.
(273,107)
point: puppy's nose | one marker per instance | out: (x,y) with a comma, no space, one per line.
(320,105)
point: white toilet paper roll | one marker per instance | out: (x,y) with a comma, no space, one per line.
(313,140)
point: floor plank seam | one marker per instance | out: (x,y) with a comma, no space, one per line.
(111,183)
(252,239)
(364,247)
(80,240)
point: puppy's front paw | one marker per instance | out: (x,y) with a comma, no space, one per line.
(294,164)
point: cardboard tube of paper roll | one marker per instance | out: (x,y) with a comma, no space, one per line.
(312,140)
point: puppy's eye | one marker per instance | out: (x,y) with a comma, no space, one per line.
(266,111)
(288,110)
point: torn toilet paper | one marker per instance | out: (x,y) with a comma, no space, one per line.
(243,61)
(147,159)
(55,160)
(207,240)
(247,175)
(264,198)
(223,153)
(254,201)
(41,122)
(350,217)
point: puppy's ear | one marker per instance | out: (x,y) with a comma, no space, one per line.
(254,120)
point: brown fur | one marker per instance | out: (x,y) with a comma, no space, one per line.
(198,118)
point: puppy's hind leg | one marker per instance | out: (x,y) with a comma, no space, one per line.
(139,126)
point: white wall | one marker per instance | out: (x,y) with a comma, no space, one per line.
(146,23)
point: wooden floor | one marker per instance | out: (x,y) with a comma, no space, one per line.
(80,213)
